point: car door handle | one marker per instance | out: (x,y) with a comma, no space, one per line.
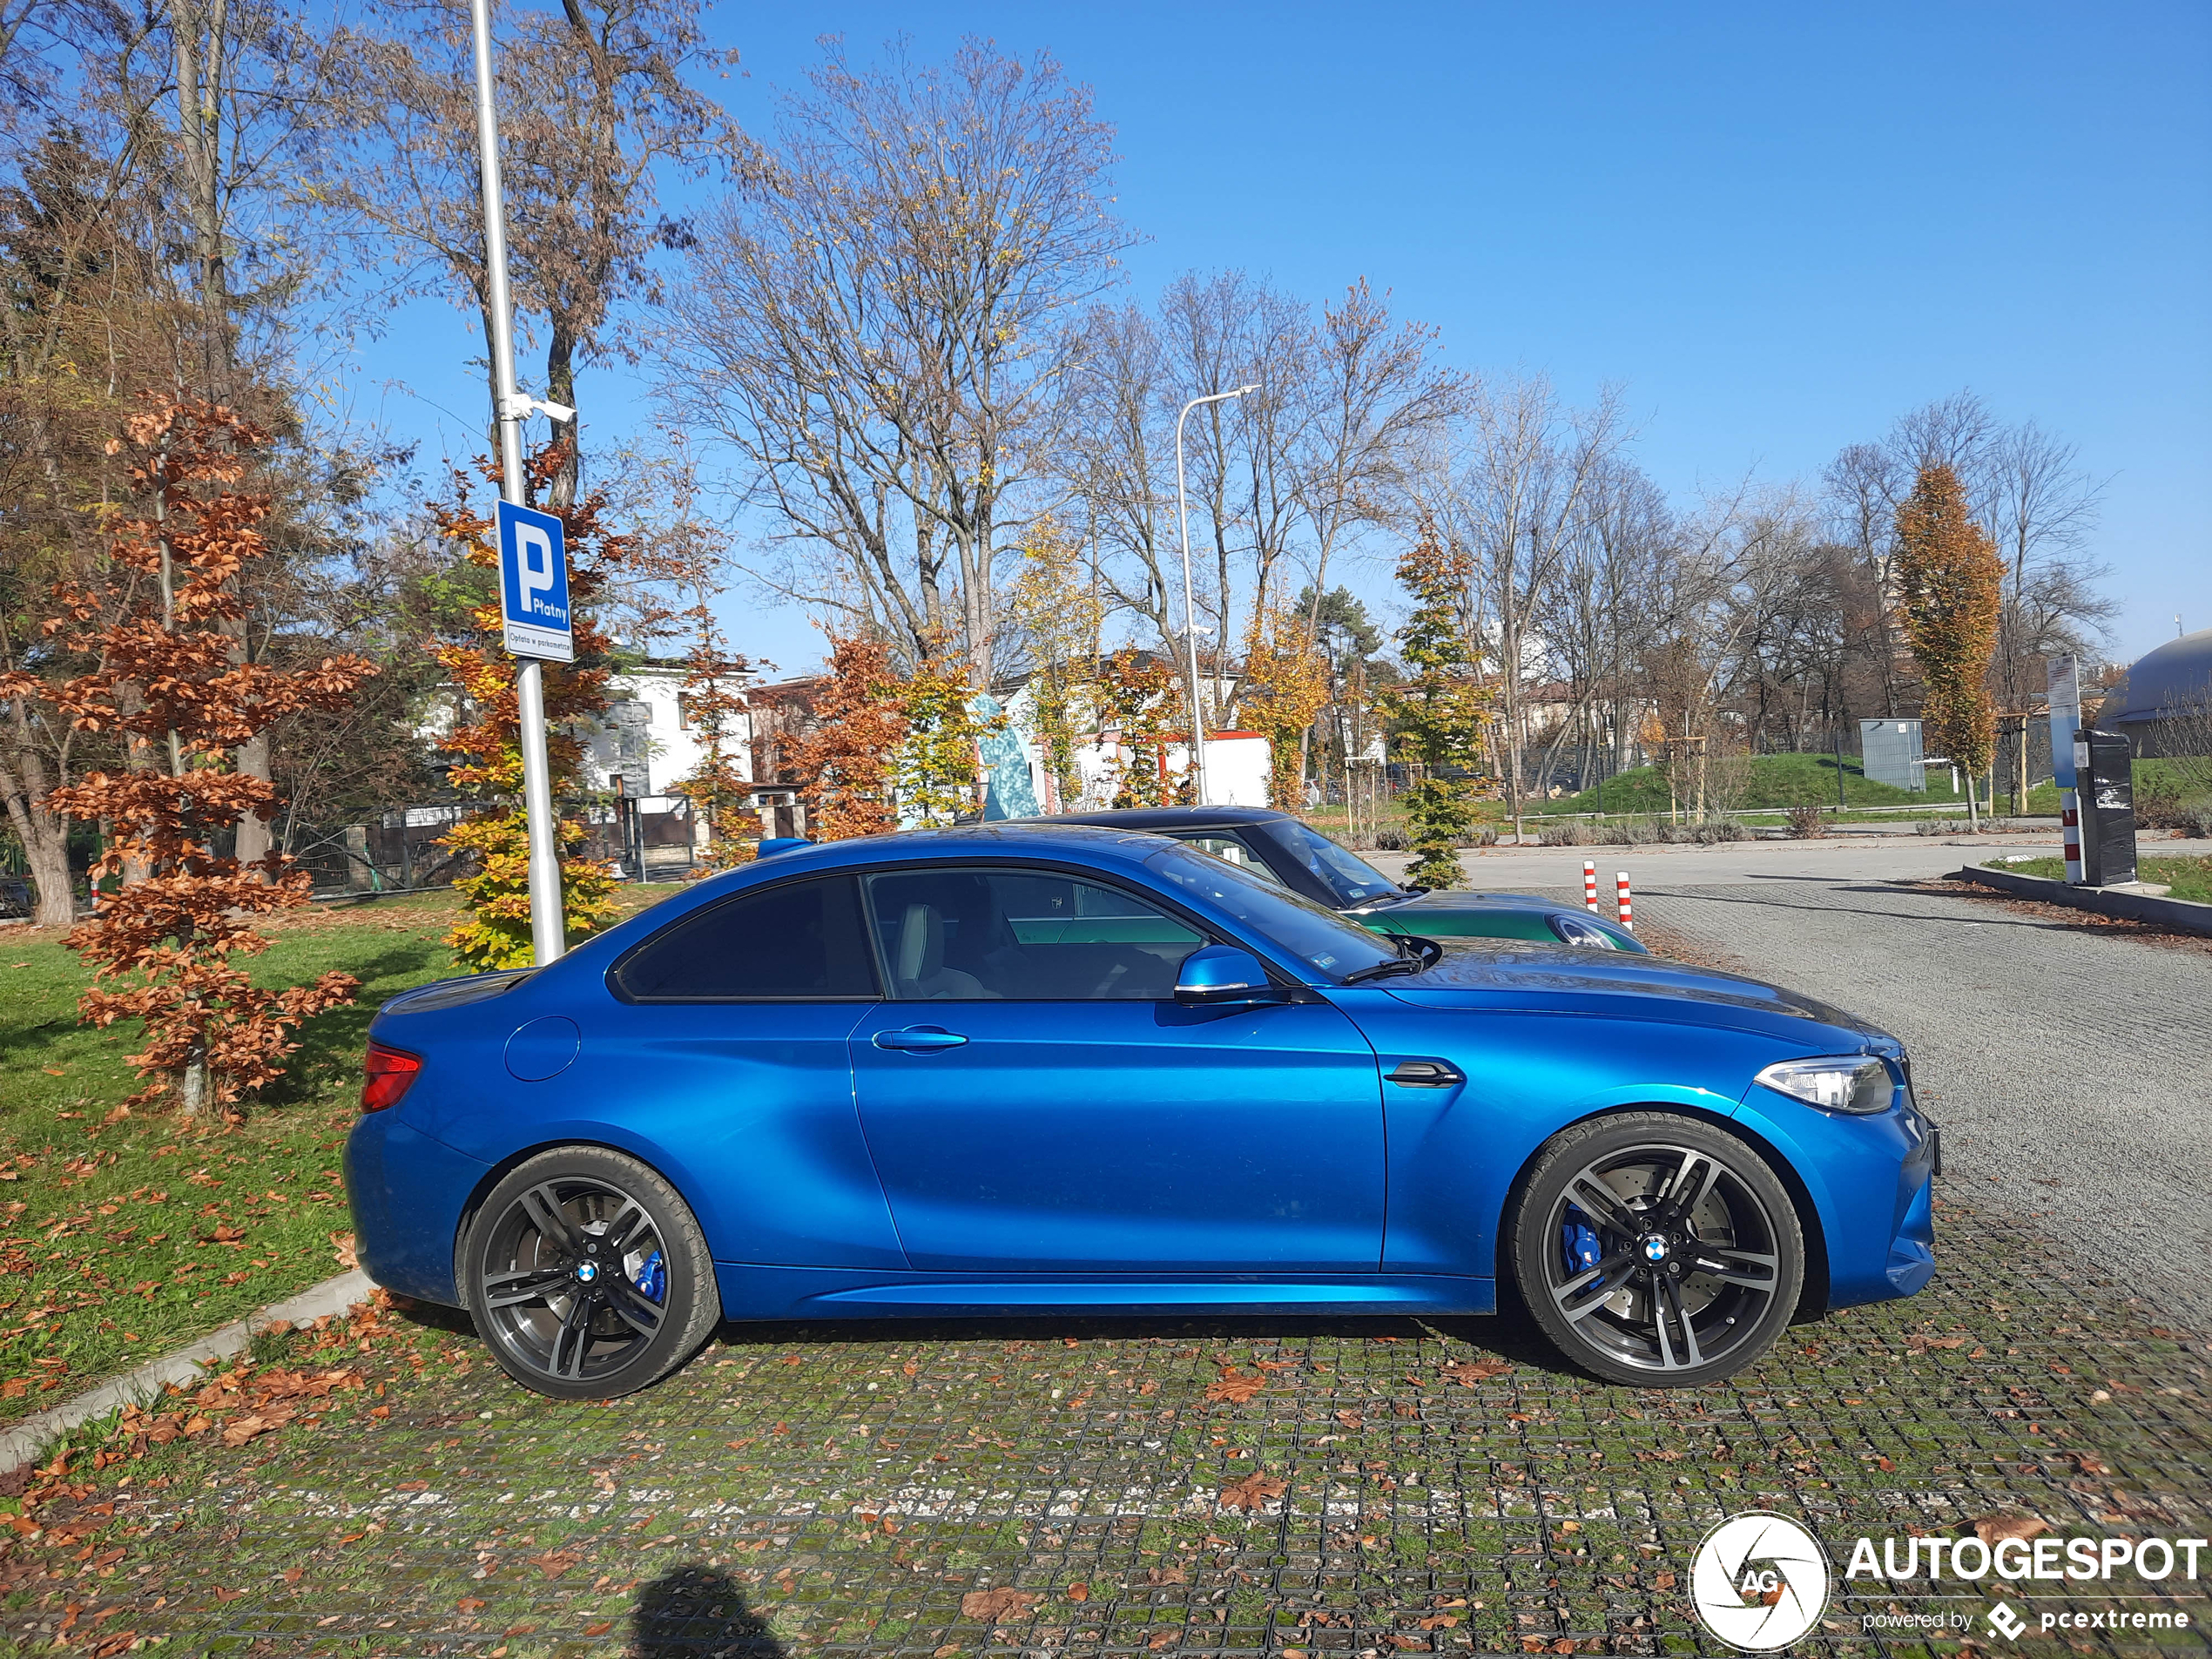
(919,1038)
(1427,1074)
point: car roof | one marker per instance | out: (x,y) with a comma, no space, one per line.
(1031,838)
(1164,819)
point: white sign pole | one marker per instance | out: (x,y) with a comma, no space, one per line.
(2064,685)
(548,932)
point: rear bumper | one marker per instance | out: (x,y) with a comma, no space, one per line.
(408,1193)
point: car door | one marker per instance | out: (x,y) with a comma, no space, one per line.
(725,1054)
(1036,1101)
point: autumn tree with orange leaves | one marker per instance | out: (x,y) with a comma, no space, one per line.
(711,697)
(1286,684)
(486,741)
(845,764)
(1951,590)
(163,683)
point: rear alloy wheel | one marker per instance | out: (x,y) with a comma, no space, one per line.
(587,1275)
(1657,1249)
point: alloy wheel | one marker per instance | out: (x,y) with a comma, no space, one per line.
(574,1279)
(1665,1259)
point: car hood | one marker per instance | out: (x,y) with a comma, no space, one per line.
(1563,979)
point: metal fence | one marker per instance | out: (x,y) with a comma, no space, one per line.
(650,840)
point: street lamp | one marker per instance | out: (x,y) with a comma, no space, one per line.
(1190,611)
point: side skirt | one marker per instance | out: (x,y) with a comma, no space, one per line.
(765,1292)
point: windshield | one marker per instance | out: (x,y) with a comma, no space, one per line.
(1350,878)
(1317,937)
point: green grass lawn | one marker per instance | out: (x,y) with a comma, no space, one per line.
(1777,781)
(124,1237)
(2190,878)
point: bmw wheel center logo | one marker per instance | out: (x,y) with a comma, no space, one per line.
(1759,1581)
(586,1271)
(1655,1248)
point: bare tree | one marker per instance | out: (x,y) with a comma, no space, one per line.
(1516,502)
(595,101)
(875,331)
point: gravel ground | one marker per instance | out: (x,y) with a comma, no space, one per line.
(2069,1063)
(1290,1487)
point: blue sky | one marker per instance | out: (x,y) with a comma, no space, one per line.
(1778,227)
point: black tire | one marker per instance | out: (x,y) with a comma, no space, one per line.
(1657,1250)
(558,1270)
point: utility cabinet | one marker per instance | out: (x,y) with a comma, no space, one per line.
(2104,786)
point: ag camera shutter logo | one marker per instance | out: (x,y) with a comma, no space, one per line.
(1759,1581)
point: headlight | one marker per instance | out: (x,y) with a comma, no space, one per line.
(1574,930)
(1846,1084)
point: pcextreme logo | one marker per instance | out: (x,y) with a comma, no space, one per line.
(1759,1581)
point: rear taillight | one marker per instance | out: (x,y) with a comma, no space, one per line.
(390,1073)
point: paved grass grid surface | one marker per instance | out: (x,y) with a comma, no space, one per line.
(1071,1488)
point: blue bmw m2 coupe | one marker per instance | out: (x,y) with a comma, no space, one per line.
(1028,1069)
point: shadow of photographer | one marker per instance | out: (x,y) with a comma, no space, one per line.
(698,1612)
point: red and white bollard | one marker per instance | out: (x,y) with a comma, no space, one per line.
(1590,885)
(2070,829)
(1620,882)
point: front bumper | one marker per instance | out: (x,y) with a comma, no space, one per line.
(1871,1182)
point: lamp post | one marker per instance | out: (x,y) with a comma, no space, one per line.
(549,927)
(1190,610)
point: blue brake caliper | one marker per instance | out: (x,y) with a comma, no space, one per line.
(653,1277)
(1579,1241)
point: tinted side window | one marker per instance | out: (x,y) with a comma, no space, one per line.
(800,939)
(1023,935)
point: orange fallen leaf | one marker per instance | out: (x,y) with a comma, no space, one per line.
(1079,1592)
(1236,1387)
(991,1606)
(470,1603)
(553,1563)
(1165,1639)
(223,1595)
(1468,1373)
(291,1574)
(1252,1493)
(1992,1529)
(600,1628)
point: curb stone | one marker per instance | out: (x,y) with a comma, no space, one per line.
(2184,914)
(23,1443)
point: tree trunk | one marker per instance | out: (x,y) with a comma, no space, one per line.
(192,1084)
(46,844)
(254,838)
(560,387)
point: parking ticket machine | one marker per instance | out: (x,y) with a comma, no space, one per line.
(2105,785)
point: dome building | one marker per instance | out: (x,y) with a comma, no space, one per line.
(2165,705)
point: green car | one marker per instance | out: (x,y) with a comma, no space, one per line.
(1280,847)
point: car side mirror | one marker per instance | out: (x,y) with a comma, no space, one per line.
(1221,974)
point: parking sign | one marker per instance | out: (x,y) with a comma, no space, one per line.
(534,585)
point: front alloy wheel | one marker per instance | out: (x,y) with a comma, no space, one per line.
(587,1275)
(1657,1249)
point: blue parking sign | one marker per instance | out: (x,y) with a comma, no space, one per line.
(534,585)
